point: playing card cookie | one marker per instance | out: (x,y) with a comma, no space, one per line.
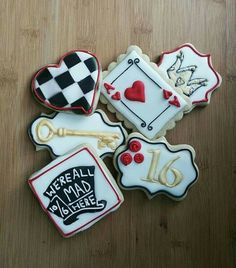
(156,167)
(192,72)
(137,93)
(76,190)
(62,132)
(70,85)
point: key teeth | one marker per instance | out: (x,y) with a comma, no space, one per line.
(112,145)
(101,144)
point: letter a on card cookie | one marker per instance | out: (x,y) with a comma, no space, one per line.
(136,92)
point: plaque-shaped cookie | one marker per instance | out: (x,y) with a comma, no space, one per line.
(156,167)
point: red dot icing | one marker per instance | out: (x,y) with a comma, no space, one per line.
(135,146)
(138,158)
(126,159)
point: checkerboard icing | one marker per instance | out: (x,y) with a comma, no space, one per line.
(71,85)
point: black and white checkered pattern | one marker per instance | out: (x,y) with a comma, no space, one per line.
(70,85)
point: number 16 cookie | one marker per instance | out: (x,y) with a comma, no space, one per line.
(156,166)
(138,94)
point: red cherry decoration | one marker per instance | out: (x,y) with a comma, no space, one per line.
(138,158)
(135,146)
(126,159)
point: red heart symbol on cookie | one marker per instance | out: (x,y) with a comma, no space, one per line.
(116,96)
(167,94)
(136,92)
(72,84)
(175,102)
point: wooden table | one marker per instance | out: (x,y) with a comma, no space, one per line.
(199,231)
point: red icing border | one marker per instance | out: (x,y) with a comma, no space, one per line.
(58,65)
(209,64)
(30,182)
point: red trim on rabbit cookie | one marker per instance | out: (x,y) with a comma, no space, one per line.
(218,77)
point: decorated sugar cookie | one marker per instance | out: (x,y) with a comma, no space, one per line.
(192,72)
(156,167)
(62,132)
(76,190)
(137,93)
(70,85)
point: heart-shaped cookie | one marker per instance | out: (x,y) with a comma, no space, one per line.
(136,92)
(72,84)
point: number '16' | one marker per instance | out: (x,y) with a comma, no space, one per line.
(162,175)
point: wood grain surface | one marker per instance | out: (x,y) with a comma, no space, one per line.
(199,231)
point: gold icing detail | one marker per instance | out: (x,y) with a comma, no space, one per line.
(162,176)
(153,165)
(177,174)
(105,139)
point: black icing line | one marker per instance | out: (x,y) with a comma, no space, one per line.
(136,61)
(53,116)
(143,124)
(160,191)
(130,62)
(149,125)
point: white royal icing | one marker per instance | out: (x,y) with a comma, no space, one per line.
(197,77)
(152,116)
(97,123)
(66,192)
(171,173)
